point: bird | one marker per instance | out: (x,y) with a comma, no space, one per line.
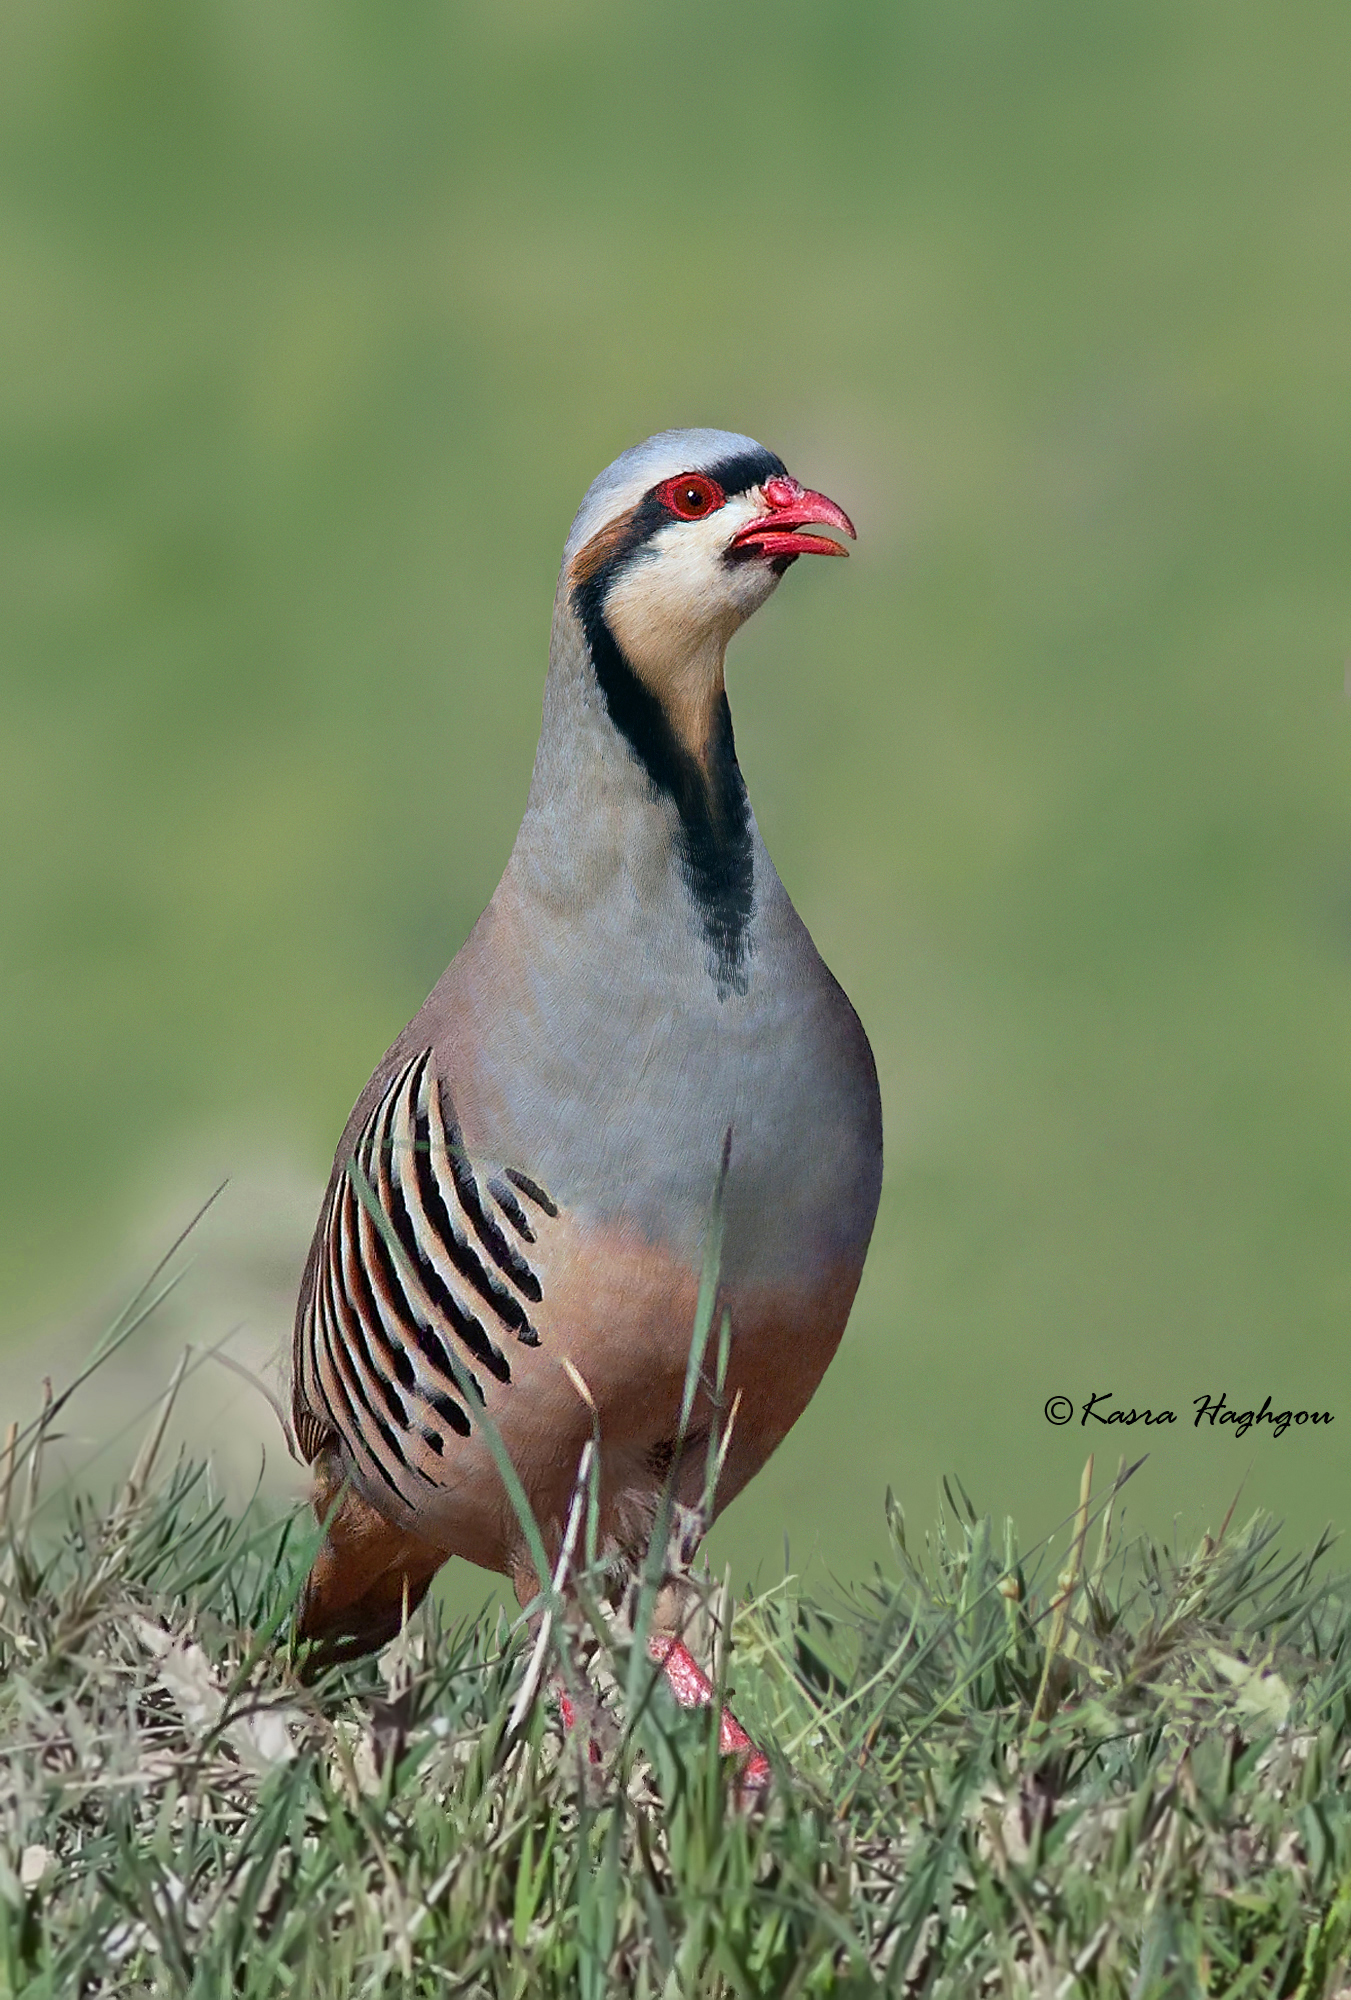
(639,1028)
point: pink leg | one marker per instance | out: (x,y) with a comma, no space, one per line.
(568,1713)
(693,1689)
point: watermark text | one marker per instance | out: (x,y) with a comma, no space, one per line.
(1102,1407)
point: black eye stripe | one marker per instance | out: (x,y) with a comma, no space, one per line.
(734,475)
(731,475)
(747,469)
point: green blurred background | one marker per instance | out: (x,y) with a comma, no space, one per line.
(316,322)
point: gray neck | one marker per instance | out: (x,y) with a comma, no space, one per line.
(593,958)
(617,805)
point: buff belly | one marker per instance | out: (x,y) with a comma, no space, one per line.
(621,1312)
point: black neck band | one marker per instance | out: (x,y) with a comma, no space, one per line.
(709,797)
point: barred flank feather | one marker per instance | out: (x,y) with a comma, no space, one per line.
(387,1306)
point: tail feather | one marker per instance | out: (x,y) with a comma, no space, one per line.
(368,1576)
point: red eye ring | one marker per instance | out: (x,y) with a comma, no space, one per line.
(691,496)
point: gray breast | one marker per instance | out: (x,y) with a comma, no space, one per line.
(607,1063)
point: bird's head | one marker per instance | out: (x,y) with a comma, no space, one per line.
(674,547)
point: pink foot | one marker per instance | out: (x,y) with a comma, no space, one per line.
(693,1689)
(568,1712)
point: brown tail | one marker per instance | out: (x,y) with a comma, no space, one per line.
(363,1577)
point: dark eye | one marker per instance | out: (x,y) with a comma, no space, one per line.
(690,496)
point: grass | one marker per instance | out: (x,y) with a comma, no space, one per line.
(1123,1778)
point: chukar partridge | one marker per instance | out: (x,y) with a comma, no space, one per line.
(545,1138)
